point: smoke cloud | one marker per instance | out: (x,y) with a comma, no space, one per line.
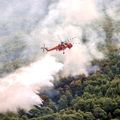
(19,90)
(25,26)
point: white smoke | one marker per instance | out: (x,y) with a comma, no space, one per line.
(66,19)
(19,90)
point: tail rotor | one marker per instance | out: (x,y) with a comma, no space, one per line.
(44,48)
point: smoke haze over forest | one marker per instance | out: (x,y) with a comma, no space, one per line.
(25,26)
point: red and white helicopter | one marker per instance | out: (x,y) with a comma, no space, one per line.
(60,47)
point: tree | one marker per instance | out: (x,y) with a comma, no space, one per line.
(114,88)
(99,113)
(79,104)
(116,113)
(76,116)
(63,103)
(88,116)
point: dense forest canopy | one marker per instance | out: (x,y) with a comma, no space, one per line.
(92,97)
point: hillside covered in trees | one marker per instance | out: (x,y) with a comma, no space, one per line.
(93,97)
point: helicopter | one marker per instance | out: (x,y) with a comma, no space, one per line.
(60,47)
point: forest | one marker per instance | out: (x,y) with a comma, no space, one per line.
(93,97)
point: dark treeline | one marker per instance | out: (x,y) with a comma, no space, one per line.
(95,97)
